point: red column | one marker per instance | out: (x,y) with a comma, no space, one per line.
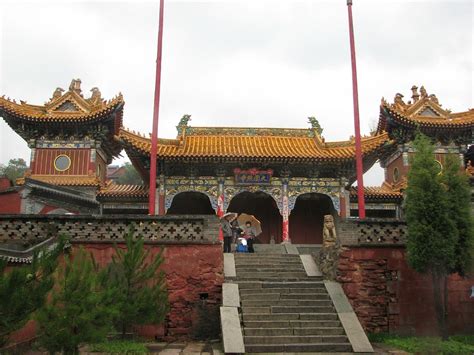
(355,97)
(220,204)
(161,196)
(156,112)
(285,214)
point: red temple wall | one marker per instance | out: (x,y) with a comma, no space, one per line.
(397,163)
(44,161)
(191,270)
(389,296)
(10,202)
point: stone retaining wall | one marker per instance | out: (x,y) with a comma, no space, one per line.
(193,259)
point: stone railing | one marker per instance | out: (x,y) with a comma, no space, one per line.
(182,229)
(372,232)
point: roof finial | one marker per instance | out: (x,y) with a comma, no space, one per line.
(96,96)
(415,96)
(76,86)
(315,124)
(423,92)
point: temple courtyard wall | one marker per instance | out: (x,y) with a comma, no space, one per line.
(386,294)
(193,259)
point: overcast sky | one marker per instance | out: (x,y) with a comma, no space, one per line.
(237,62)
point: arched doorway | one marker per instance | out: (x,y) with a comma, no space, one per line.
(306,219)
(264,208)
(191,202)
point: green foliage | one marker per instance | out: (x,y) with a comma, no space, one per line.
(119,347)
(23,289)
(76,313)
(130,177)
(427,345)
(14,169)
(459,210)
(431,232)
(140,293)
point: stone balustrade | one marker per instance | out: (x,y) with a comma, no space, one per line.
(178,229)
(372,232)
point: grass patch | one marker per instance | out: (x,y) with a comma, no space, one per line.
(119,347)
(425,345)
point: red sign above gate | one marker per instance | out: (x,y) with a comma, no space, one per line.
(252,176)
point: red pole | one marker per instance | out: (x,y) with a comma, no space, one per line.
(355,95)
(156,114)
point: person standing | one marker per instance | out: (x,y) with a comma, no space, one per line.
(249,234)
(227,230)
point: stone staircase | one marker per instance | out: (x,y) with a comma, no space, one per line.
(283,309)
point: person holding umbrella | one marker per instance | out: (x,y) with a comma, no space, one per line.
(252,228)
(227,230)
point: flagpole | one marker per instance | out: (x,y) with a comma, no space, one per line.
(355,97)
(156,114)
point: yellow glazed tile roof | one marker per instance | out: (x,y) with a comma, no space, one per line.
(256,146)
(116,190)
(68,107)
(378,192)
(64,180)
(425,111)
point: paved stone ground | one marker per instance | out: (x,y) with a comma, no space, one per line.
(186,348)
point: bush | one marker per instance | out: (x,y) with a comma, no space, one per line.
(119,347)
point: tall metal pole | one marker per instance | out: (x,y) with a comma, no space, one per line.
(156,114)
(355,96)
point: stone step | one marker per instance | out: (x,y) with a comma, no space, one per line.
(269,269)
(289,296)
(282,275)
(283,291)
(267,264)
(298,348)
(263,255)
(292,323)
(301,309)
(296,339)
(256,284)
(329,316)
(273,278)
(287,303)
(293,331)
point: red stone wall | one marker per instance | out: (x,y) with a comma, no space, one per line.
(388,296)
(190,270)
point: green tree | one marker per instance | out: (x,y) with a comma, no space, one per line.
(139,286)
(23,289)
(77,312)
(130,177)
(459,210)
(14,169)
(432,234)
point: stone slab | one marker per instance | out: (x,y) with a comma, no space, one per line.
(229,265)
(230,295)
(232,338)
(291,249)
(310,265)
(354,331)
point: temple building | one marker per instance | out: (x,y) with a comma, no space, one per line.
(288,178)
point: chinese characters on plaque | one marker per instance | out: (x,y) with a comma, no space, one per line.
(252,176)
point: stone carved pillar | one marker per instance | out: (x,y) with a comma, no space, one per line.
(285,212)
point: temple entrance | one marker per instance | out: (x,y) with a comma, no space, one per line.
(191,202)
(264,208)
(306,219)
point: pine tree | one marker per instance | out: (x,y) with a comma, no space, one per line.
(432,235)
(77,312)
(138,284)
(23,289)
(459,208)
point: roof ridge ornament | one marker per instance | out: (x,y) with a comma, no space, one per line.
(183,124)
(75,86)
(315,125)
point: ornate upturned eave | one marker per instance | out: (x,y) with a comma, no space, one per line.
(67,114)
(426,114)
